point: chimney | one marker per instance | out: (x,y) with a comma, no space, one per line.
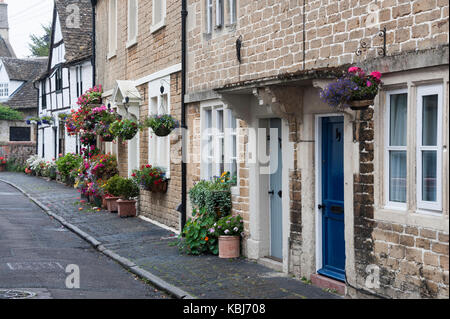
(4,26)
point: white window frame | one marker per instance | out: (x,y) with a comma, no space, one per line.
(209,16)
(422,205)
(156,143)
(162,23)
(233,11)
(4,89)
(388,148)
(217,136)
(112,29)
(132,39)
(219,13)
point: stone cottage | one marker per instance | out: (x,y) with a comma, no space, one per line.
(17,139)
(353,200)
(138,63)
(357,201)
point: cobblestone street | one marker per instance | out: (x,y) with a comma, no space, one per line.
(144,244)
(35,251)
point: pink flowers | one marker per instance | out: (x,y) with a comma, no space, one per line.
(369,84)
(376,75)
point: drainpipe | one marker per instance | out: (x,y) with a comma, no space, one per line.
(37,113)
(94,3)
(184,14)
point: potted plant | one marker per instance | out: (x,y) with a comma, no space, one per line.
(3,163)
(229,229)
(355,89)
(125,129)
(128,190)
(215,195)
(162,125)
(113,191)
(151,178)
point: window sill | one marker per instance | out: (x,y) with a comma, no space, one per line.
(156,27)
(111,55)
(131,43)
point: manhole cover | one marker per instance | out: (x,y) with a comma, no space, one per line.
(16,294)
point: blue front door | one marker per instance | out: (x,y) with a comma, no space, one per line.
(332,206)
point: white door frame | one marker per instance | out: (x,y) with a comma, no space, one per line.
(318,183)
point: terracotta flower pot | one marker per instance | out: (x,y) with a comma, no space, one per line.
(104,205)
(111,204)
(126,208)
(360,105)
(229,246)
(160,188)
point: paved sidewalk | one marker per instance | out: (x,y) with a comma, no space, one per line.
(148,246)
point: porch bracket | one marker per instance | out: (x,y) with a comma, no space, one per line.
(239,104)
(285,102)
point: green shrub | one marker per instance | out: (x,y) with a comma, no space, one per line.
(214,196)
(15,165)
(199,237)
(112,186)
(67,164)
(128,189)
(8,114)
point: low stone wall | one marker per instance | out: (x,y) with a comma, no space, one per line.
(17,150)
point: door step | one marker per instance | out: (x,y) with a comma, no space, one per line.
(271,263)
(328,283)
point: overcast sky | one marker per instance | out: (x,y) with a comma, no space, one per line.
(26,18)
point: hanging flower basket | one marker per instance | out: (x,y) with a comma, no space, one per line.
(360,105)
(162,131)
(107,138)
(125,129)
(354,89)
(161,125)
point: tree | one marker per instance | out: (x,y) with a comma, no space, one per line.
(8,114)
(40,45)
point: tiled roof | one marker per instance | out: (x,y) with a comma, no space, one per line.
(6,49)
(26,70)
(77,40)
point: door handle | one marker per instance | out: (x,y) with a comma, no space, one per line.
(271,192)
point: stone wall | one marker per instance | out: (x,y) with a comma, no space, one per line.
(363,196)
(287,36)
(413,261)
(152,52)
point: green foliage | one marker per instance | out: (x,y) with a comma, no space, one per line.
(8,114)
(128,189)
(40,45)
(160,124)
(15,165)
(214,196)
(125,129)
(198,238)
(112,186)
(229,226)
(67,164)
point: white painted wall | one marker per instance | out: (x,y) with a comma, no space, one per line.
(12,84)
